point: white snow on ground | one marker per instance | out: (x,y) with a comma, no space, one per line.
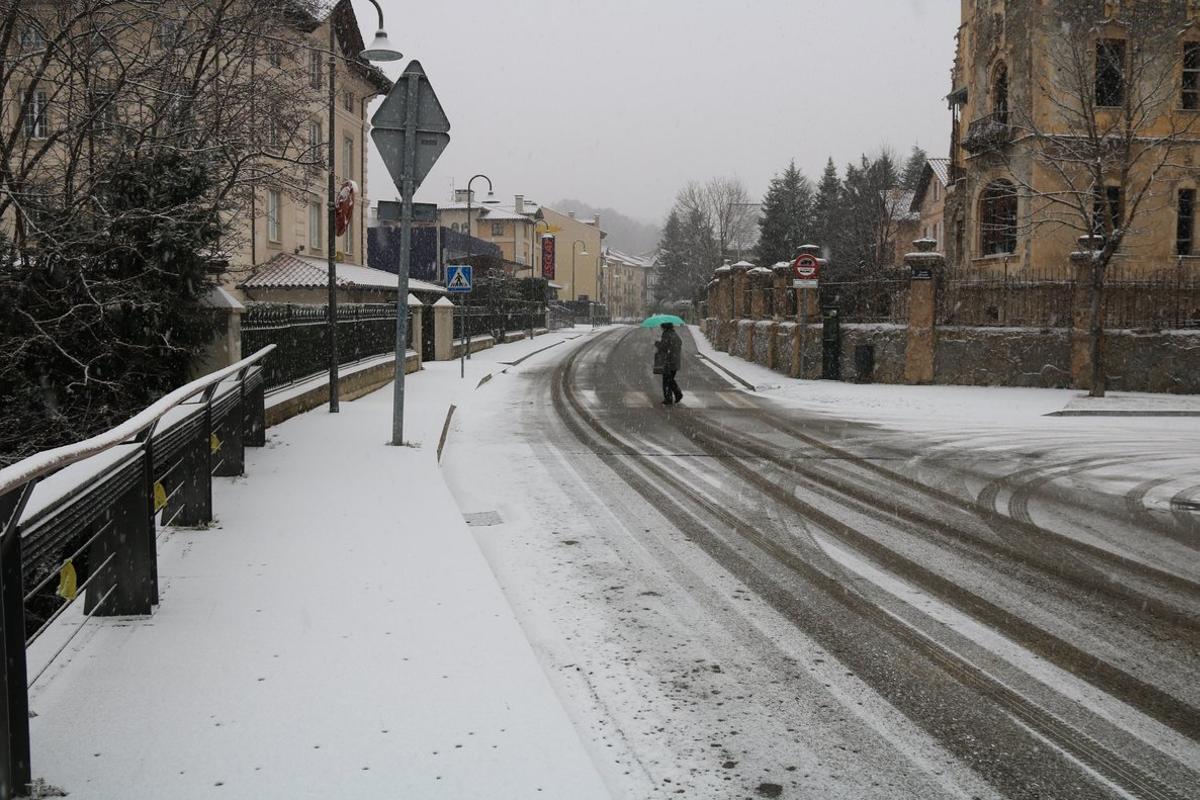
(336,633)
(1010,421)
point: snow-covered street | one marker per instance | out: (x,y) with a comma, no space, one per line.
(818,590)
(796,591)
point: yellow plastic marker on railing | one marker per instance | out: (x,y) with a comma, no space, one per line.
(214,442)
(160,496)
(68,585)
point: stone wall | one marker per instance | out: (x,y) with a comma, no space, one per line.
(889,343)
(1003,357)
(1153,362)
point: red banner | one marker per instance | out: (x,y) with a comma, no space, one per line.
(548,257)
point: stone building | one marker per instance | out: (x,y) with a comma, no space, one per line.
(1030,78)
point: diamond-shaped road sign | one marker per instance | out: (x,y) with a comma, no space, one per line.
(388,124)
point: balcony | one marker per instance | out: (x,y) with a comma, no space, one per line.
(989,132)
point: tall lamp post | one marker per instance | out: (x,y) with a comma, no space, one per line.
(380,50)
(534,259)
(574,286)
(491,199)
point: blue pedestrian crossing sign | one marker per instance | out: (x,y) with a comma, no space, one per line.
(459,278)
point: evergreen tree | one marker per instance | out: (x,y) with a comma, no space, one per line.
(827,208)
(672,259)
(786,221)
(913,168)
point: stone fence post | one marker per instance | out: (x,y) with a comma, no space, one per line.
(443,330)
(781,276)
(1085,312)
(416,311)
(924,266)
(760,287)
(739,290)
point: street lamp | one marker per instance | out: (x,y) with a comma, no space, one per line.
(535,255)
(491,198)
(380,50)
(574,286)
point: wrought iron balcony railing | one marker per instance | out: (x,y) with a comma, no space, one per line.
(989,132)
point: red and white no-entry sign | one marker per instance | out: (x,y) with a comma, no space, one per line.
(806,268)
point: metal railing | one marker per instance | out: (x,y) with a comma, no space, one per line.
(988,132)
(301,336)
(86,515)
(486,320)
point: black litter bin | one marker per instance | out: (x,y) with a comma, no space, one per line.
(864,363)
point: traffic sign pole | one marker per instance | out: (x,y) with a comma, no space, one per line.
(410,108)
(413,87)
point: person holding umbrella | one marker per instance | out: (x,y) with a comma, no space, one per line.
(668,355)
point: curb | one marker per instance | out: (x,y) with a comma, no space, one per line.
(1116,413)
(445,431)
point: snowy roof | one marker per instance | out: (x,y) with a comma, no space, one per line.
(219,297)
(288,271)
(492,211)
(941,168)
(898,202)
(934,168)
(628,260)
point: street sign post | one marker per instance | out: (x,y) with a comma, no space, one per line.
(411,131)
(806,274)
(460,279)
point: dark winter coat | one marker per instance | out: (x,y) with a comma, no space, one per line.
(673,349)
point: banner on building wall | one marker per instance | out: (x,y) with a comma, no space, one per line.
(548,257)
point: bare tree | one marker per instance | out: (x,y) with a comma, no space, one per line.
(725,206)
(102,266)
(1109,140)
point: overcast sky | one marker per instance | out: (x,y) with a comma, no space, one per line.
(619,102)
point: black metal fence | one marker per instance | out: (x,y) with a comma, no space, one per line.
(300,334)
(484,320)
(90,535)
(882,299)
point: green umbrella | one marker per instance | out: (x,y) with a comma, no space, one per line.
(659,319)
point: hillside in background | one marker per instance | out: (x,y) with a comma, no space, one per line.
(624,233)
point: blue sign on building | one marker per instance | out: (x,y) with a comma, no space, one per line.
(459,277)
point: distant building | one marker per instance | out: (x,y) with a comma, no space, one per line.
(899,225)
(929,200)
(626,284)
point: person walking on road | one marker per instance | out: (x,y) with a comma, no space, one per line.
(671,347)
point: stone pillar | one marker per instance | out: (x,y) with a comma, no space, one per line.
(739,291)
(781,276)
(724,307)
(443,330)
(760,284)
(1082,312)
(924,266)
(416,310)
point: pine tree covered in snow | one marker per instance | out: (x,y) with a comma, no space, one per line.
(786,221)
(913,167)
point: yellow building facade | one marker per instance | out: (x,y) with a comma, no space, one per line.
(1033,83)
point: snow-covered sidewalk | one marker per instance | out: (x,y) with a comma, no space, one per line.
(336,633)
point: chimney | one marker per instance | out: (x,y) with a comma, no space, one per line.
(596,220)
(519,204)
(461,195)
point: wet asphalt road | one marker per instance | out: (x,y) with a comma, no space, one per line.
(1042,665)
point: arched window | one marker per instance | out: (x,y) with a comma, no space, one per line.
(1000,93)
(998,219)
